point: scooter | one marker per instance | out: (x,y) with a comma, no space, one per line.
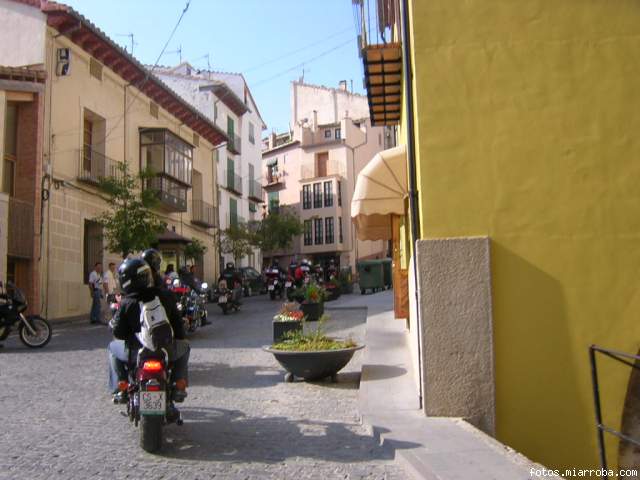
(226,298)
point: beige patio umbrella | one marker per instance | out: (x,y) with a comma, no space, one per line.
(380,192)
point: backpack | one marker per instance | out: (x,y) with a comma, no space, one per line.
(156,331)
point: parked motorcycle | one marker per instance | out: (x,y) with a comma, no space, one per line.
(33,330)
(275,286)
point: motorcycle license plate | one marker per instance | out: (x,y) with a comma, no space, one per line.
(272,287)
(222,299)
(152,403)
(288,284)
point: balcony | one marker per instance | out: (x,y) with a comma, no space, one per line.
(275,181)
(20,229)
(312,170)
(94,166)
(172,194)
(234,143)
(255,191)
(204,214)
(235,220)
(233,182)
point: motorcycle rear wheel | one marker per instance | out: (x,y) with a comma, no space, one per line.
(43,333)
(151,432)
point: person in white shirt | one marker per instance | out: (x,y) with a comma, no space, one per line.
(110,281)
(96,289)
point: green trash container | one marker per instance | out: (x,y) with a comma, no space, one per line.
(370,275)
(386,269)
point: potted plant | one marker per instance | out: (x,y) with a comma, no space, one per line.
(312,356)
(288,319)
(313,303)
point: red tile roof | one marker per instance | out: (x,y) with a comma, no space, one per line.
(91,39)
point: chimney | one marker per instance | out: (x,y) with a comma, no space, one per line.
(272,140)
(343,85)
(315,120)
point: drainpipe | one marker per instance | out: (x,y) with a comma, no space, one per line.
(407,73)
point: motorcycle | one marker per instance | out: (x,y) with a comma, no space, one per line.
(275,286)
(226,298)
(33,330)
(195,311)
(187,305)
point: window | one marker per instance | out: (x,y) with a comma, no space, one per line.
(327,133)
(230,127)
(318,230)
(306,197)
(308,236)
(153,109)
(252,207)
(215,111)
(251,173)
(339,193)
(340,229)
(274,201)
(338,134)
(93,159)
(166,154)
(92,247)
(328,194)
(95,68)
(328,229)
(233,212)
(317,195)
(252,133)
(10,149)
(231,174)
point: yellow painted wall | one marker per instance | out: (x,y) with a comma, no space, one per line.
(527,131)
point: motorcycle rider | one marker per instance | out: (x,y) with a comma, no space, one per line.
(138,284)
(233,280)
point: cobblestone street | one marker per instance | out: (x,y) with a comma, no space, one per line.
(241,420)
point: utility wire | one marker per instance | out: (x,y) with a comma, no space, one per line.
(295,67)
(148,75)
(293,52)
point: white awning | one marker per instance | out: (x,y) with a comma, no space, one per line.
(380,192)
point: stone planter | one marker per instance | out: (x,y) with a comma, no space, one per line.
(280,328)
(312,311)
(313,365)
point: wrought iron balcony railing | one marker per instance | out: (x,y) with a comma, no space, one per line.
(234,182)
(204,214)
(172,195)
(94,166)
(234,144)
(255,190)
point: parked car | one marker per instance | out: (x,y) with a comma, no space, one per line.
(252,282)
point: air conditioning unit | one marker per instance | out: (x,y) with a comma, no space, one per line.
(63,64)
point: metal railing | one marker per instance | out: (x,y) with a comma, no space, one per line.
(626,359)
(255,190)
(234,143)
(20,231)
(93,166)
(275,178)
(203,213)
(234,182)
(172,195)
(235,220)
(310,170)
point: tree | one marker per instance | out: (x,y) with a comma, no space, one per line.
(195,250)
(129,224)
(237,241)
(277,230)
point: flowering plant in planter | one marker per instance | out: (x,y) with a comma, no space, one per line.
(314,293)
(289,313)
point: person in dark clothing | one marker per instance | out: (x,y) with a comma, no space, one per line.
(126,324)
(233,278)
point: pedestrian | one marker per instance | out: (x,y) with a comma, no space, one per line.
(110,282)
(170,273)
(96,289)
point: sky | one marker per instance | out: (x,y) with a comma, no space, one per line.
(269,41)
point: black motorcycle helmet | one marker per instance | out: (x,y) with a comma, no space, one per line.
(134,275)
(153,258)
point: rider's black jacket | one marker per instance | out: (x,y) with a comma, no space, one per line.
(232,276)
(126,322)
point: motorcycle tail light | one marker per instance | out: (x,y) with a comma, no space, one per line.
(152,388)
(152,366)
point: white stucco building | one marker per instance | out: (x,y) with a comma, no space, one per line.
(312,169)
(226,100)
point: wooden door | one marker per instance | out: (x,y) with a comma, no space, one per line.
(400,275)
(321,164)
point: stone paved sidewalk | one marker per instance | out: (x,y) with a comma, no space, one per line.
(241,420)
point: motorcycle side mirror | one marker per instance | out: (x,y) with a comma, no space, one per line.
(204,285)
